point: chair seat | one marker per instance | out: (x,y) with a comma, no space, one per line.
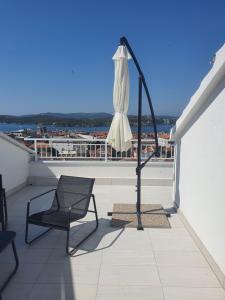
(53,218)
(5,238)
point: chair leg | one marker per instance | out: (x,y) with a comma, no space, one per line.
(14,270)
(95,209)
(37,237)
(68,241)
(5,209)
(2,215)
(3,225)
(71,252)
(2,218)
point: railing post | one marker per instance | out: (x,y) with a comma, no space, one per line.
(106,152)
(35,150)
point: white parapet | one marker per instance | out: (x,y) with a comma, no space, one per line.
(121,173)
(14,163)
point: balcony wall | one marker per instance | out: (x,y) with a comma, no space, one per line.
(200,164)
(14,163)
(47,172)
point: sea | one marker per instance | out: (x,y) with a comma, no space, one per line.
(5,127)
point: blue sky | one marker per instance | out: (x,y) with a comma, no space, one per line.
(56,55)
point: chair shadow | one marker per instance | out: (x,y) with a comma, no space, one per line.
(104,228)
(92,243)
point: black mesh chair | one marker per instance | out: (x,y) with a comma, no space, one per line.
(6,238)
(70,203)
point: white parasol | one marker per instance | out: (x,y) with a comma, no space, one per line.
(120,134)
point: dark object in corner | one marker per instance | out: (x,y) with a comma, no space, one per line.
(6,238)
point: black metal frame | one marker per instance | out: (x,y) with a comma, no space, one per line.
(4,212)
(16,266)
(3,206)
(140,164)
(71,252)
(67,229)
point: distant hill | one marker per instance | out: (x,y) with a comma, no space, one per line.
(90,116)
(80,119)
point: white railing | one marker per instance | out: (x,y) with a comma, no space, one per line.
(94,149)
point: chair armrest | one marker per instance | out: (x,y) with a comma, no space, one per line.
(29,202)
(42,194)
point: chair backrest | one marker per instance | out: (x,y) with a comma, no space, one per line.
(70,190)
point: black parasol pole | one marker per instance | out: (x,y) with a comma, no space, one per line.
(140,164)
(124,42)
(138,169)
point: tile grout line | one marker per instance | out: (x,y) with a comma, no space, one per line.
(44,264)
(149,237)
(201,249)
(101,263)
(36,282)
(33,285)
(99,272)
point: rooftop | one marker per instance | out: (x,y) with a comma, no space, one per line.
(114,263)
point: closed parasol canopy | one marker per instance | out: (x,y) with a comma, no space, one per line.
(120,134)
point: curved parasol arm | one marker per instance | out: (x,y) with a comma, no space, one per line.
(124,42)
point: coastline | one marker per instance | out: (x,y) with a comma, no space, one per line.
(9,127)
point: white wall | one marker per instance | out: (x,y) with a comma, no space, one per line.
(199,185)
(105,173)
(14,163)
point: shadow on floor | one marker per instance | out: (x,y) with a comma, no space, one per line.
(96,241)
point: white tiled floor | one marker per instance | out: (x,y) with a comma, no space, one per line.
(114,264)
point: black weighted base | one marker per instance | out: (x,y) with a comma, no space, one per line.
(139,214)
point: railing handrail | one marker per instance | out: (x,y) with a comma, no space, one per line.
(82,140)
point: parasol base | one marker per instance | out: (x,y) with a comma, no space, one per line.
(150,216)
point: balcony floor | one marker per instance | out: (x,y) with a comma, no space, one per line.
(114,264)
